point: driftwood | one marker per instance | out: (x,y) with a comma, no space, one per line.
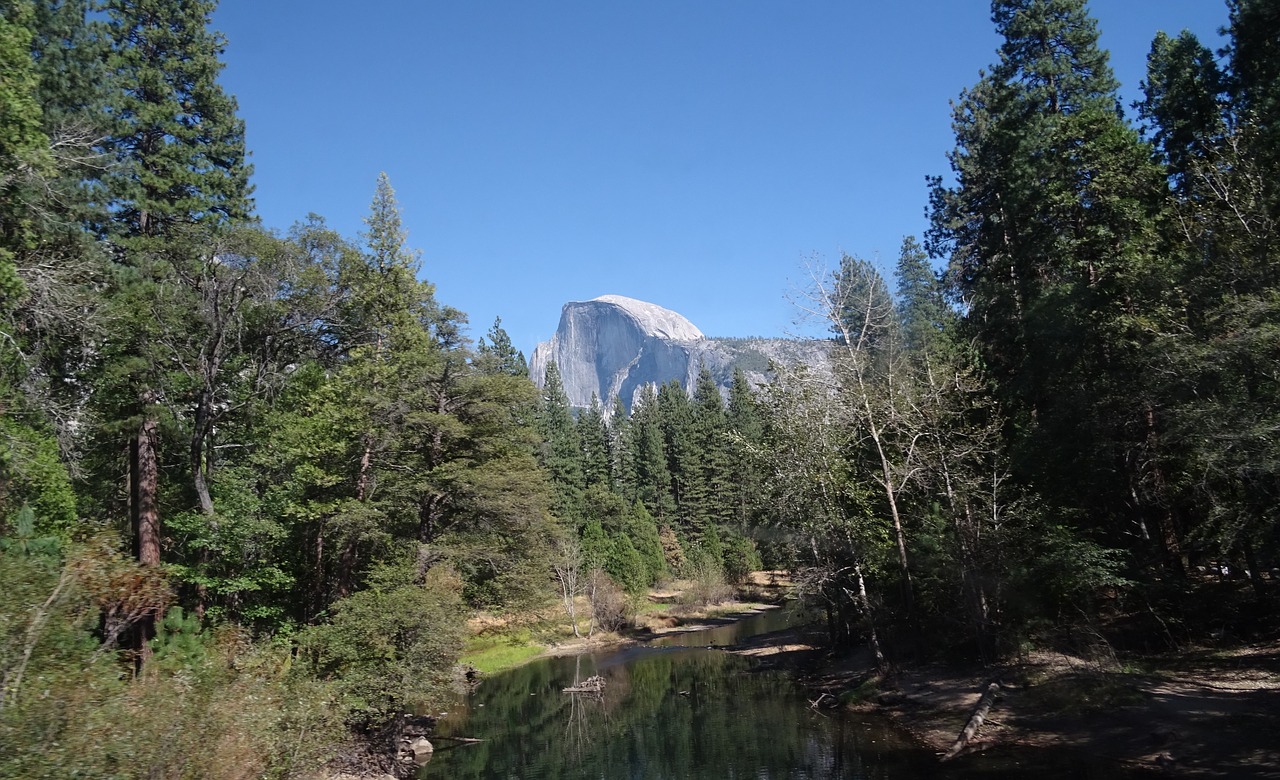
(464,740)
(975,721)
(590,685)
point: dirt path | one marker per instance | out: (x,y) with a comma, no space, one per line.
(1198,714)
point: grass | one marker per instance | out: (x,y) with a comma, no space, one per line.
(496,652)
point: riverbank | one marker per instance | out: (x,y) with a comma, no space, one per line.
(499,644)
(1207,712)
(1199,713)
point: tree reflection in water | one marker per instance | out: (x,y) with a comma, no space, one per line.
(664,713)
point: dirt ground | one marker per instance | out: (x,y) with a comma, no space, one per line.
(1206,713)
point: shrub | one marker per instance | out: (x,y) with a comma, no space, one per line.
(391,648)
(610,609)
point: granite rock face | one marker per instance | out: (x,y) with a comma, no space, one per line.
(613,346)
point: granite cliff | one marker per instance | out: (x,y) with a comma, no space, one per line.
(614,346)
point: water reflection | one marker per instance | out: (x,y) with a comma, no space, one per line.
(665,713)
(673,709)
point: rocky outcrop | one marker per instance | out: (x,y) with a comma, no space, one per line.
(613,346)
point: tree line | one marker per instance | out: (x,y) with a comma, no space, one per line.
(250,483)
(1066,435)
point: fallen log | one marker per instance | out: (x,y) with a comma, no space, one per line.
(465,740)
(975,721)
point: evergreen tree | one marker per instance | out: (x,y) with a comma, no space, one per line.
(176,142)
(675,415)
(1253,49)
(921,306)
(1183,107)
(1049,234)
(1213,473)
(561,454)
(746,435)
(593,438)
(711,493)
(498,355)
(648,456)
(644,536)
(621,463)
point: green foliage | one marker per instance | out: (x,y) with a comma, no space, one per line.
(625,566)
(177,143)
(740,559)
(1087,398)
(179,641)
(389,648)
(595,546)
(34,473)
(498,355)
(24,539)
(643,533)
(560,454)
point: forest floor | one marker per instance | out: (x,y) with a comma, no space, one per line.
(1196,713)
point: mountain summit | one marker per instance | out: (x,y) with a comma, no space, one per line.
(612,346)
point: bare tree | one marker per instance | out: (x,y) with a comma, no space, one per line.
(873,381)
(567,565)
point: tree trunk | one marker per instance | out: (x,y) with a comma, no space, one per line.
(976,720)
(199,466)
(145,479)
(873,639)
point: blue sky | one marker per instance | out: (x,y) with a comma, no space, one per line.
(693,153)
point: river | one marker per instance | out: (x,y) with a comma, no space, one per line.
(679,708)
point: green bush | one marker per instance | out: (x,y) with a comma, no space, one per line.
(390,648)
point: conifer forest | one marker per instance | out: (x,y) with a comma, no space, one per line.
(253,483)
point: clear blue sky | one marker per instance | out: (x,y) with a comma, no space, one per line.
(692,153)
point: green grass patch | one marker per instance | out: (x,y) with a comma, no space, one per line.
(491,653)
(646,606)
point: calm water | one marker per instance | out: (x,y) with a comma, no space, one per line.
(683,712)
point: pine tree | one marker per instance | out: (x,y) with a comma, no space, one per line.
(1214,473)
(675,415)
(177,144)
(498,355)
(1049,232)
(593,442)
(746,435)
(921,307)
(1183,107)
(561,454)
(648,456)
(1253,50)
(711,493)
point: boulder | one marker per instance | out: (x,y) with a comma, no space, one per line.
(421,749)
